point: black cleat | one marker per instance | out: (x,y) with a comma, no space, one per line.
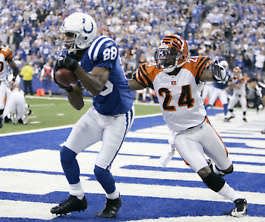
(111,208)
(240,208)
(1,122)
(226,119)
(72,203)
(244,119)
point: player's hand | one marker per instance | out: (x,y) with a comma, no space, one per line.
(67,63)
(220,74)
(76,88)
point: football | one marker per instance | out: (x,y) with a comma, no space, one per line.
(65,77)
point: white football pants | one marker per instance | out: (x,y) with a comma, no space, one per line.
(238,97)
(4,92)
(218,93)
(16,104)
(93,127)
(197,144)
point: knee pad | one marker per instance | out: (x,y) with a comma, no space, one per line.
(214,182)
(227,171)
(67,156)
(204,172)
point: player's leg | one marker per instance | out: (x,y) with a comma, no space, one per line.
(215,149)
(8,109)
(243,102)
(231,105)
(113,137)
(192,152)
(20,107)
(224,101)
(2,102)
(85,132)
(213,96)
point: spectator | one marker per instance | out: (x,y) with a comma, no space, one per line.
(27,73)
(46,77)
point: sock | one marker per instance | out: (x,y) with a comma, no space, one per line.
(70,165)
(225,109)
(228,192)
(76,190)
(1,114)
(114,195)
(105,178)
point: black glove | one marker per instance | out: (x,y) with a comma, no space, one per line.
(67,63)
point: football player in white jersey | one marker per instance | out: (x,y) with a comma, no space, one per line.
(108,120)
(238,85)
(174,79)
(16,109)
(6,61)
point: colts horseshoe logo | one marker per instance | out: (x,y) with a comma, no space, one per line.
(84,29)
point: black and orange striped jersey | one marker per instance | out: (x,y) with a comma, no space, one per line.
(178,95)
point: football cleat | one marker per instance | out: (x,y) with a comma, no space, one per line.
(226,119)
(230,117)
(240,208)
(244,119)
(262,131)
(72,203)
(111,208)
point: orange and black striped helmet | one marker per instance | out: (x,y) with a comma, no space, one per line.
(173,51)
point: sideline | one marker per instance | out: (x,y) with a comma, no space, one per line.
(62,127)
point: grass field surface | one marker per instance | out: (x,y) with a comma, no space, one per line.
(56,111)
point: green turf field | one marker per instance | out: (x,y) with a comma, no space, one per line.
(52,112)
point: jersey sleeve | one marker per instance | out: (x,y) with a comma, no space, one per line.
(105,53)
(145,75)
(198,65)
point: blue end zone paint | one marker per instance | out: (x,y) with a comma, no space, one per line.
(147,122)
(239,180)
(135,207)
(53,138)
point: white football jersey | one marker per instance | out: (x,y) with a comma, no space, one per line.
(178,95)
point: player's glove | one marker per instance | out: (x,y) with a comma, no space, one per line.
(67,63)
(219,72)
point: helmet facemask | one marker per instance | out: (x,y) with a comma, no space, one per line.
(69,41)
(172,53)
(166,57)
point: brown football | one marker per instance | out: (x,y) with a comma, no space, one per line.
(65,77)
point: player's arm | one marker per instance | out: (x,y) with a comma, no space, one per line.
(213,71)
(9,59)
(95,81)
(134,85)
(140,79)
(75,96)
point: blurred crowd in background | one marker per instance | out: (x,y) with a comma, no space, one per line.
(229,30)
